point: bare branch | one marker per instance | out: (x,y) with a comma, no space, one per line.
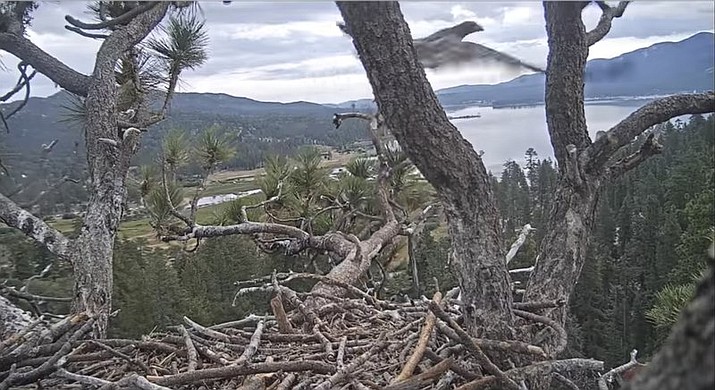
(649,148)
(600,151)
(608,377)
(86,34)
(604,23)
(10,291)
(519,242)
(54,69)
(107,24)
(14,216)
(44,192)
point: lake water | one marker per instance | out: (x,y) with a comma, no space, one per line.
(505,134)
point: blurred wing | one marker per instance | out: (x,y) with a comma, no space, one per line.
(443,53)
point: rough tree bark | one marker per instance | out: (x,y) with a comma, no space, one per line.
(584,165)
(411,110)
(91,253)
(417,120)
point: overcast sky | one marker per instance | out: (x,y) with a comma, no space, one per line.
(292,51)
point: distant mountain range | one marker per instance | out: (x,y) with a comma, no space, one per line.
(663,68)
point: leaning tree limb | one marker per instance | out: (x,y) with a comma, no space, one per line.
(607,378)
(21,47)
(660,110)
(649,148)
(14,216)
(604,23)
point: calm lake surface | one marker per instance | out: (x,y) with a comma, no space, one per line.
(505,134)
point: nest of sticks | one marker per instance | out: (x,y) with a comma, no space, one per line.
(312,341)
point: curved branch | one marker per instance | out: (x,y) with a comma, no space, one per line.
(605,22)
(594,157)
(57,71)
(86,34)
(33,227)
(649,148)
(105,24)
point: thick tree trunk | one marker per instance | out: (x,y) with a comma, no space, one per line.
(406,99)
(91,253)
(563,249)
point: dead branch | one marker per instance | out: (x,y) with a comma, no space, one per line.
(536,369)
(519,242)
(252,346)
(235,370)
(190,349)
(467,341)
(561,335)
(564,381)
(608,13)
(594,157)
(108,24)
(49,366)
(649,148)
(11,291)
(345,372)
(419,351)
(423,379)
(85,34)
(14,216)
(21,47)
(608,377)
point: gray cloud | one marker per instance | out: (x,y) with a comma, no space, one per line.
(294,41)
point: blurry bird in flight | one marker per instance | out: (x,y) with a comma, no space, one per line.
(446,47)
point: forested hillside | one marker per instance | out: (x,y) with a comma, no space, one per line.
(652,230)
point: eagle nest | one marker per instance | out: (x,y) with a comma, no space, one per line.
(312,341)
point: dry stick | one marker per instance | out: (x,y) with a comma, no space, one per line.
(310,315)
(48,366)
(454,366)
(465,339)
(84,379)
(419,351)
(20,335)
(341,351)
(497,345)
(208,332)
(538,305)
(564,381)
(190,349)
(237,324)
(344,372)
(317,367)
(536,369)
(121,355)
(423,379)
(287,382)
(602,385)
(284,325)
(252,345)
(560,331)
